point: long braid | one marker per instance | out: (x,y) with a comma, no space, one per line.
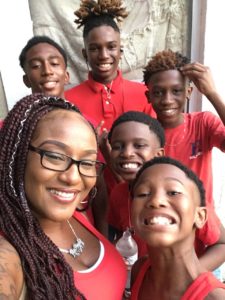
(47,274)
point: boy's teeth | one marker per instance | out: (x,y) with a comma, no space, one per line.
(130,166)
(160,221)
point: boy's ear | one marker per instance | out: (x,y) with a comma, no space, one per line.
(160,152)
(26,81)
(84,53)
(189,92)
(67,78)
(200,216)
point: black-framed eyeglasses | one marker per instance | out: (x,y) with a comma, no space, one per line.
(59,162)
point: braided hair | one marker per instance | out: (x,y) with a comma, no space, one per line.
(47,274)
(93,14)
(164,61)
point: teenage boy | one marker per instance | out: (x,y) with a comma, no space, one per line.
(190,137)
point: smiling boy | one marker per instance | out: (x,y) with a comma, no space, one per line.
(190,137)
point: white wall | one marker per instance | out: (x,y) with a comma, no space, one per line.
(15,30)
(214,58)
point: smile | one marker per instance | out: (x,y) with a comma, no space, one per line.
(104,67)
(49,84)
(159,220)
(132,166)
(64,196)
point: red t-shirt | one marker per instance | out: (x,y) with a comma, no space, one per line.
(198,290)
(92,99)
(108,280)
(192,143)
(1,123)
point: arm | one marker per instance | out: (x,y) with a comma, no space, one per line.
(203,80)
(11,274)
(105,148)
(214,255)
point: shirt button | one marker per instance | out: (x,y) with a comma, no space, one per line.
(107,102)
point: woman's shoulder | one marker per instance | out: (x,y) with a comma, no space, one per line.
(11,274)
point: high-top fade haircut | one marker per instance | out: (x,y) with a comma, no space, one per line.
(164,61)
(46,272)
(37,40)
(140,117)
(170,161)
(93,14)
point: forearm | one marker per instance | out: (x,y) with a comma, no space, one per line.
(218,103)
(213,257)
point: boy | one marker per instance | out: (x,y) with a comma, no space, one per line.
(190,137)
(135,138)
(45,65)
(168,205)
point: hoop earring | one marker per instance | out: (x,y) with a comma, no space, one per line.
(88,200)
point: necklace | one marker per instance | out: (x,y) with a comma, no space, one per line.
(108,90)
(77,247)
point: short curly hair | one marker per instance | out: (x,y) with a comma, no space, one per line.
(140,117)
(164,61)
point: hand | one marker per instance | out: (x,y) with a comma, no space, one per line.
(99,128)
(201,77)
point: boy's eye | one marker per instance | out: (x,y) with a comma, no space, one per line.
(116,147)
(112,47)
(157,93)
(35,66)
(178,91)
(142,195)
(173,193)
(139,146)
(93,48)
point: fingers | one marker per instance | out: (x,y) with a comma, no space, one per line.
(99,127)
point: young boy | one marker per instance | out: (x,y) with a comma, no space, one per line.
(45,66)
(190,137)
(168,204)
(135,138)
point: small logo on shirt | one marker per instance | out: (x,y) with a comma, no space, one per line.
(196,149)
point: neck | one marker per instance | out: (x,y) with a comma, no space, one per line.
(172,123)
(104,80)
(167,265)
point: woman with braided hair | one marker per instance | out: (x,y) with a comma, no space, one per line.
(106,94)
(46,170)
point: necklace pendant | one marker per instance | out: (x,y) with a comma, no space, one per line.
(77,248)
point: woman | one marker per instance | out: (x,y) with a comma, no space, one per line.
(48,167)
(106,94)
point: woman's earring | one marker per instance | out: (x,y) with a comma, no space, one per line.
(92,194)
(88,200)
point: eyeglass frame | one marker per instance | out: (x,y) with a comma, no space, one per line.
(42,152)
